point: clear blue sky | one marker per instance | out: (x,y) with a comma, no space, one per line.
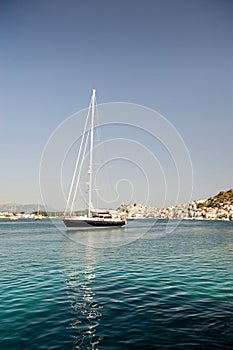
(174,56)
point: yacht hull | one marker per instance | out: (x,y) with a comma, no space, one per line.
(73,223)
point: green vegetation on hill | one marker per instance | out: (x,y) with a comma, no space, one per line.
(220,198)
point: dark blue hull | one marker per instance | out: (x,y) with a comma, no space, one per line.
(92,223)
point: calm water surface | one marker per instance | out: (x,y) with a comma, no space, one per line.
(160,291)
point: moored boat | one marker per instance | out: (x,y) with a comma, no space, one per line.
(93,219)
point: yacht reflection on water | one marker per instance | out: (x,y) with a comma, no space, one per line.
(80,277)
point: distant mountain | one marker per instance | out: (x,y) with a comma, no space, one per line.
(27,208)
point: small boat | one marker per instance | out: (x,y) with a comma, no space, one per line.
(38,216)
(13,218)
(93,219)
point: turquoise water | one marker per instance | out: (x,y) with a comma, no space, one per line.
(160,291)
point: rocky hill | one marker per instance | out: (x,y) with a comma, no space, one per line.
(219,199)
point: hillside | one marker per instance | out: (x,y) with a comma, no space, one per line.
(218,199)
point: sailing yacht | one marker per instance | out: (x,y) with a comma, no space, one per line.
(38,216)
(93,219)
(13,216)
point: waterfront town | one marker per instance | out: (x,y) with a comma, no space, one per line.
(218,207)
(193,210)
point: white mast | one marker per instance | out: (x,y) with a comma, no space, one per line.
(91,151)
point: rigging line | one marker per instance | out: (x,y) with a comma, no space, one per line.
(77,162)
(97,123)
(91,152)
(80,170)
(105,155)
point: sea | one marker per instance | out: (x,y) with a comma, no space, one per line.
(151,285)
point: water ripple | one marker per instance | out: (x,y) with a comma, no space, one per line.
(159,292)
